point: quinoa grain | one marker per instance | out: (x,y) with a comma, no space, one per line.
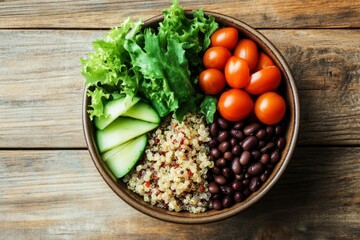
(173,172)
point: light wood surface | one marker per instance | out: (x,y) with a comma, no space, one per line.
(104,14)
(49,187)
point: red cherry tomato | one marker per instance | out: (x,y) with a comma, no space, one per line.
(270,108)
(266,80)
(235,105)
(224,37)
(216,57)
(264,61)
(212,81)
(247,49)
(237,72)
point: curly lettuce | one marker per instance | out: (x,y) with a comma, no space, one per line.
(159,65)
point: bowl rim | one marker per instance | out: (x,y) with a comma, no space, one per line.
(197,217)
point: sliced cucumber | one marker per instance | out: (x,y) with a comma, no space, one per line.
(143,112)
(115,150)
(125,158)
(121,130)
(114,109)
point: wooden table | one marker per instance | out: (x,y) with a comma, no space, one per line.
(49,187)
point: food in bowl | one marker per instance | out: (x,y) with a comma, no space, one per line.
(173,172)
(162,68)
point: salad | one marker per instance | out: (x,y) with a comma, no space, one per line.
(188,113)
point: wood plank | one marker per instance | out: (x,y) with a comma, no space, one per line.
(100,14)
(59,194)
(41,87)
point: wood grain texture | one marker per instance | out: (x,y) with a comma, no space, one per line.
(60,195)
(41,86)
(105,14)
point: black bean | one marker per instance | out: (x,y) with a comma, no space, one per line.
(269,131)
(238,125)
(249,143)
(279,130)
(263,177)
(213,188)
(274,157)
(214,129)
(223,123)
(228,155)
(227,202)
(215,152)
(256,154)
(236,166)
(226,172)
(280,143)
(236,150)
(265,158)
(260,134)
(254,184)
(239,177)
(216,170)
(245,182)
(221,162)
(251,129)
(224,146)
(261,144)
(255,168)
(217,205)
(234,141)
(268,147)
(213,143)
(217,196)
(237,134)
(236,185)
(227,190)
(245,158)
(221,180)
(223,136)
(247,176)
(239,197)
(247,192)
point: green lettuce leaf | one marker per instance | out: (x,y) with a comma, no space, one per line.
(193,32)
(165,71)
(159,65)
(98,97)
(208,108)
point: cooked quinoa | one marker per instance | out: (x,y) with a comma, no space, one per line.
(173,172)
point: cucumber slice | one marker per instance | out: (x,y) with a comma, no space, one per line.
(115,150)
(143,112)
(125,159)
(121,130)
(114,109)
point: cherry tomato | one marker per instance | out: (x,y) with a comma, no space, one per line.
(247,49)
(266,80)
(235,105)
(237,72)
(224,37)
(216,57)
(270,108)
(264,61)
(212,81)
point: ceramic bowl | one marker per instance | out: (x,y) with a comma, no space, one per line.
(291,96)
